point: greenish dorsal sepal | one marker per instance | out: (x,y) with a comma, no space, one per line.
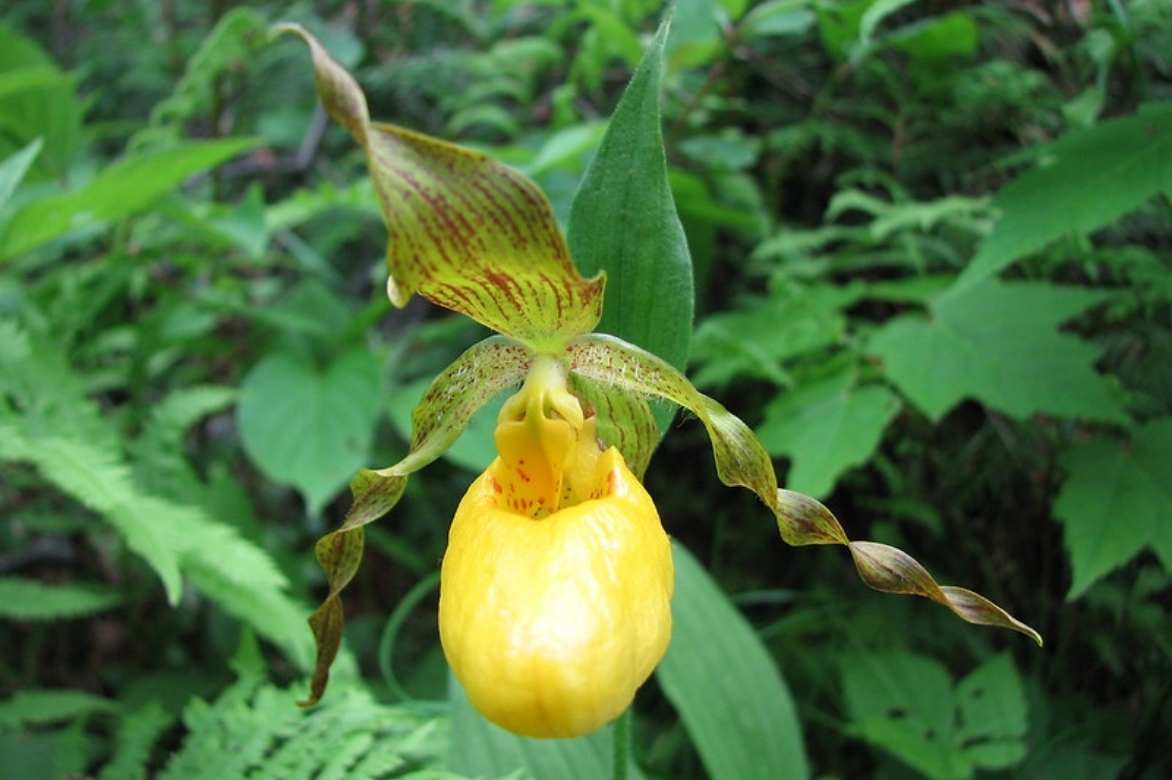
(473,379)
(623,221)
(741,461)
(466,232)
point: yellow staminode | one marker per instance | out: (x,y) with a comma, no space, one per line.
(555,595)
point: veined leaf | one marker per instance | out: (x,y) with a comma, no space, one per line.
(742,461)
(827,427)
(623,221)
(120,190)
(1115,502)
(309,427)
(474,378)
(907,705)
(747,703)
(1099,174)
(999,343)
(467,232)
(25,599)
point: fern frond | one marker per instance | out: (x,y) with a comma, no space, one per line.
(25,599)
(137,733)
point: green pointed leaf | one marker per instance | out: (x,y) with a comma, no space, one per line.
(474,378)
(827,427)
(907,705)
(999,343)
(1098,175)
(623,221)
(483,749)
(1115,502)
(120,190)
(25,599)
(747,705)
(13,169)
(310,427)
(742,461)
(466,232)
(34,707)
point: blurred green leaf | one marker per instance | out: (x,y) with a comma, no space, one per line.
(725,686)
(1115,502)
(25,599)
(13,169)
(826,427)
(1097,175)
(624,221)
(33,707)
(120,190)
(906,704)
(778,17)
(999,343)
(308,426)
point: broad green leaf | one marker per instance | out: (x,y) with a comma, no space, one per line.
(759,335)
(999,343)
(307,426)
(907,705)
(827,427)
(483,749)
(13,169)
(741,719)
(778,17)
(120,190)
(623,221)
(473,379)
(741,461)
(25,599)
(950,35)
(468,233)
(1115,502)
(1097,175)
(35,707)
(49,110)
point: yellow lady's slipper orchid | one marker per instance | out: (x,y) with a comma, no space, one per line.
(555,596)
(557,581)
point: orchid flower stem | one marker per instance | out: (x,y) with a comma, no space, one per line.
(622,745)
(399,615)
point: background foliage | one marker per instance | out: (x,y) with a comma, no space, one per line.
(931,250)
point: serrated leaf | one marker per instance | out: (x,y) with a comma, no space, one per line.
(466,232)
(478,375)
(907,705)
(999,343)
(741,461)
(827,427)
(1115,502)
(310,427)
(623,221)
(119,190)
(25,599)
(98,479)
(741,720)
(1098,175)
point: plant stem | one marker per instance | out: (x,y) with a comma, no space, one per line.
(622,746)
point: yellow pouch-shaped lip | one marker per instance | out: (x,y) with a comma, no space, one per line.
(551,624)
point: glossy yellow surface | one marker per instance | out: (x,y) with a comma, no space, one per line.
(555,595)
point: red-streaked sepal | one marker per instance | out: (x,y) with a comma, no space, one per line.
(741,460)
(467,232)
